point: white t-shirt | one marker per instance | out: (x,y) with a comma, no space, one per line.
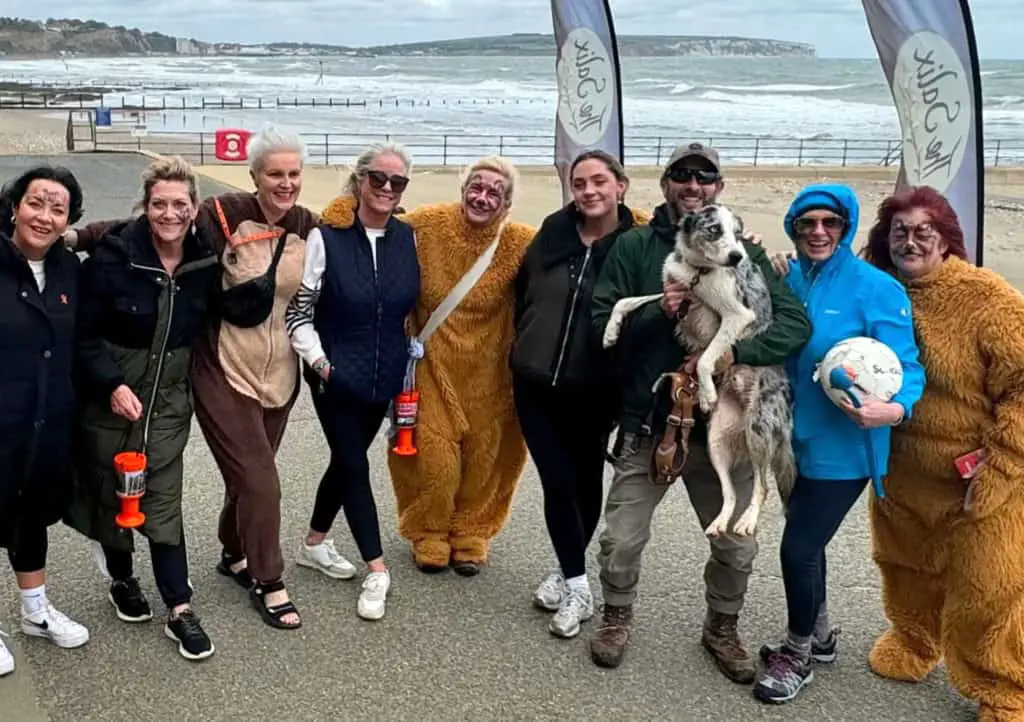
(39,271)
(373,234)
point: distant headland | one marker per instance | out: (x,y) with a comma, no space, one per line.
(87,38)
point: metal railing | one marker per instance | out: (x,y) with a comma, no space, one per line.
(458,149)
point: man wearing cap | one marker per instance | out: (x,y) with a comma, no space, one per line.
(647,348)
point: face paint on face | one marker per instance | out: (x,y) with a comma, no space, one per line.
(915,246)
(170,211)
(41,216)
(485,197)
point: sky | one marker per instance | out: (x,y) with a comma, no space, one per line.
(836,27)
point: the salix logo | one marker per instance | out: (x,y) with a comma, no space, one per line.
(933,98)
(586,88)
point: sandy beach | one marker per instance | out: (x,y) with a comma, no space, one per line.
(24,131)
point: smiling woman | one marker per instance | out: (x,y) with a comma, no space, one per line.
(145,286)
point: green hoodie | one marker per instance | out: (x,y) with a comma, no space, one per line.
(647,346)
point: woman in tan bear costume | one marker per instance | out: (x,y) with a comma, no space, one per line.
(948,542)
(454,495)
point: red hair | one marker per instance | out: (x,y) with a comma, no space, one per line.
(931,202)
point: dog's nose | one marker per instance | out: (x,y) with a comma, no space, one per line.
(734,258)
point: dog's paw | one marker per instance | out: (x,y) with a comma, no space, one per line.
(718,527)
(746,525)
(707,397)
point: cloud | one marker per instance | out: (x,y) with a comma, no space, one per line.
(371,22)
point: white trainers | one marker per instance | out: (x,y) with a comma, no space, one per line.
(55,626)
(551,592)
(372,601)
(325,558)
(6,658)
(578,607)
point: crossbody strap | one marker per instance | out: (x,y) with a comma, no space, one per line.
(450,302)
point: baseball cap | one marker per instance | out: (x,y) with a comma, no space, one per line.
(694,149)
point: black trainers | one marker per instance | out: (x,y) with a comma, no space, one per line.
(786,675)
(193,644)
(821,652)
(129,601)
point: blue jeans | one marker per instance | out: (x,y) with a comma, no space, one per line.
(816,511)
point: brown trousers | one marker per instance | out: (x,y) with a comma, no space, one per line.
(243,437)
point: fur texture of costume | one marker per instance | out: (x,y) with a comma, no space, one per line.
(455,494)
(953,581)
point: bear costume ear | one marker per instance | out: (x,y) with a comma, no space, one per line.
(690,223)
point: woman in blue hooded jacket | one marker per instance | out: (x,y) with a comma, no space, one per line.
(844,297)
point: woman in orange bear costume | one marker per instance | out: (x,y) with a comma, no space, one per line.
(949,545)
(454,495)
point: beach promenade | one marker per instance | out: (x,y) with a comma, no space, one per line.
(449,648)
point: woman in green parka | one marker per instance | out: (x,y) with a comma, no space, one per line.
(144,295)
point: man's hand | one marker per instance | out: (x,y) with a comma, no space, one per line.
(674,295)
(780,262)
(751,237)
(125,403)
(873,412)
(723,364)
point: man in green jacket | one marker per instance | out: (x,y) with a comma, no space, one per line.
(647,348)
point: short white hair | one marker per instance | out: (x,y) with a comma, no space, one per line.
(370,154)
(272,139)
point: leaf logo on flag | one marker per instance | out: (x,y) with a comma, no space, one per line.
(586,87)
(933,98)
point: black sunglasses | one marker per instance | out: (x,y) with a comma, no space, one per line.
(685,175)
(829,223)
(378,179)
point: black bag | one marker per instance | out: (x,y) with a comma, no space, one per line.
(249,303)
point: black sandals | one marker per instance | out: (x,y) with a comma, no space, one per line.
(241,576)
(272,615)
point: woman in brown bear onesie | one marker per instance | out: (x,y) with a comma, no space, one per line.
(948,541)
(454,495)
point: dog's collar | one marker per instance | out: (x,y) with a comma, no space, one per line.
(701,272)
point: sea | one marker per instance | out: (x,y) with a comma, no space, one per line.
(795,99)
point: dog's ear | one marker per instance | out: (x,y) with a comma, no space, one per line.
(689,224)
(738,221)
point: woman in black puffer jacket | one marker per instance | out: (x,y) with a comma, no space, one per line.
(561,378)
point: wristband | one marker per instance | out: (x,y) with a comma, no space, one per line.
(320,364)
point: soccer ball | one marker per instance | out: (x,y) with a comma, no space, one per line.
(872,366)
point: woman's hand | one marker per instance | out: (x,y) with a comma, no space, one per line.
(124,402)
(873,413)
(780,262)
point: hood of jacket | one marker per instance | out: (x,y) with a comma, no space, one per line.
(839,199)
(559,238)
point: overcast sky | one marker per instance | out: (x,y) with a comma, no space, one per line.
(836,27)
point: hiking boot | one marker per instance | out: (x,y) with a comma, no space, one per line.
(608,645)
(722,640)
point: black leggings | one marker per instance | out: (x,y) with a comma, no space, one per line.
(817,509)
(567,435)
(170,569)
(350,427)
(29,547)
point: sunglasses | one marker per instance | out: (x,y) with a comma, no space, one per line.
(830,223)
(685,175)
(379,179)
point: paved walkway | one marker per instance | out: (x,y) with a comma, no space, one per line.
(449,648)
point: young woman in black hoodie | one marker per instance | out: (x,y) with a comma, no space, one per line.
(561,377)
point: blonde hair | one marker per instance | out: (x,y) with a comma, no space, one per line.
(366,158)
(496,164)
(168,169)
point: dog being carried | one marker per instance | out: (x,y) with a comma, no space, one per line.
(750,407)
